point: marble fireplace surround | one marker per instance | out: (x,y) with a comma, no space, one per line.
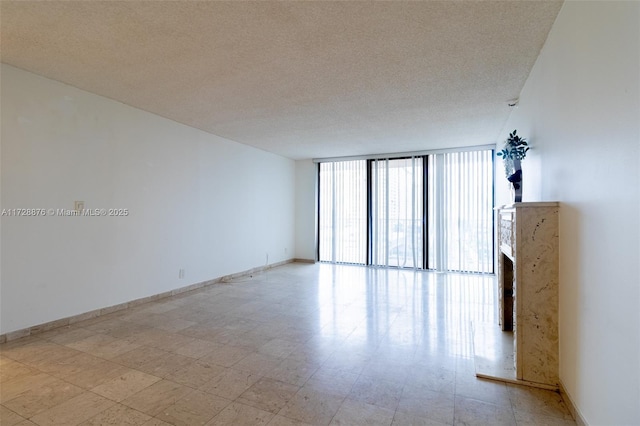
(528,299)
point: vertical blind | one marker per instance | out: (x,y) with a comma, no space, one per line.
(343,212)
(373,212)
(396,207)
(460,211)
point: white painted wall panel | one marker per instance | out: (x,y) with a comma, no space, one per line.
(306,199)
(196,201)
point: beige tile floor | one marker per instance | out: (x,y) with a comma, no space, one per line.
(299,344)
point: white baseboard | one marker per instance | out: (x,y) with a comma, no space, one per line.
(62,322)
(580,421)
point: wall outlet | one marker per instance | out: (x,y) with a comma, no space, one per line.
(181,273)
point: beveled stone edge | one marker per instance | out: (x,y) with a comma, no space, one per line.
(518,382)
(560,389)
(62,322)
(577,416)
(526,204)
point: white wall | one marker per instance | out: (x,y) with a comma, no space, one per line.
(580,109)
(196,201)
(306,198)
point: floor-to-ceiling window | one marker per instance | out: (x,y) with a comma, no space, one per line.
(342,212)
(460,211)
(397,212)
(426,211)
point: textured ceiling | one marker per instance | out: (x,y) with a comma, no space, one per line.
(300,79)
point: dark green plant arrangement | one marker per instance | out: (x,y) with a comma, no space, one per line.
(514,150)
(515,147)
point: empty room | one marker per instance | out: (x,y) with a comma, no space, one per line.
(320,213)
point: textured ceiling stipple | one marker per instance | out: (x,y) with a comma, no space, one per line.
(300,79)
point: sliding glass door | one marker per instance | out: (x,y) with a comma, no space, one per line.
(397,212)
(433,211)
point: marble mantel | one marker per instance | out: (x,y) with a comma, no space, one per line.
(528,289)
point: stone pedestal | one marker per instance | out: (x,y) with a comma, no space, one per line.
(528,287)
